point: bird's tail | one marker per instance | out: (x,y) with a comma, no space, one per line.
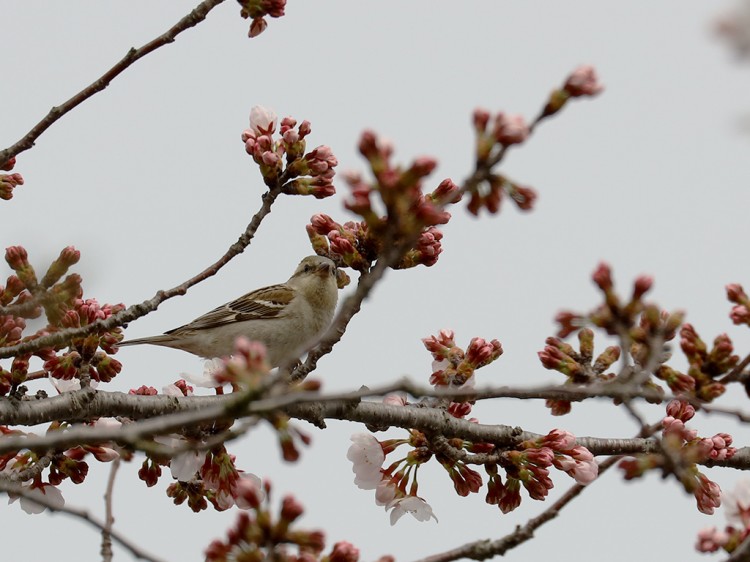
(152,340)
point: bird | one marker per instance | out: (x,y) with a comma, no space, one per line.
(287,318)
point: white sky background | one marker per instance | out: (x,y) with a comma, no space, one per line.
(149,179)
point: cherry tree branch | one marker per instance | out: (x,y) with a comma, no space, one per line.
(191,411)
(197,15)
(85,405)
(131,546)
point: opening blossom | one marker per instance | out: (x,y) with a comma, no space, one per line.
(45,492)
(414,506)
(50,494)
(207,379)
(367,457)
(737,504)
(262,120)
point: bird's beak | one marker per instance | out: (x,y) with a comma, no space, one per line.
(325,270)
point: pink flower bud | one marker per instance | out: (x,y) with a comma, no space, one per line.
(510,129)
(680,410)
(447,192)
(459,409)
(323,224)
(480,118)
(583,82)
(291,136)
(603,277)
(257,26)
(395,399)
(144,390)
(368,144)
(8,165)
(736,293)
(287,123)
(339,244)
(559,440)
(524,197)
(17,257)
(740,314)
(304,129)
(270,158)
(424,165)
(642,286)
(344,552)
(291,509)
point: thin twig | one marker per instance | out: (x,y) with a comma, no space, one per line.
(131,546)
(483,549)
(197,15)
(109,517)
(735,373)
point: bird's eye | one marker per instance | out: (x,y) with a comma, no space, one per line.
(308,268)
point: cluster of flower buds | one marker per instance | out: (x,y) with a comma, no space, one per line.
(737,512)
(705,367)
(61,299)
(465,480)
(740,313)
(284,159)
(452,367)
(246,369)
(684,450)
(489,195)
(259,535)
(643,327)
(612,315)
(63,465)
(410,214)
(501,131)
(494,134)
(256,10)
(530,466)
(583,81)
(92,353)
(526,464)
(654,329)
(8,182)
(25,296)
(692,448)
(579,367)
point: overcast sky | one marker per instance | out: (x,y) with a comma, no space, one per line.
(149,179)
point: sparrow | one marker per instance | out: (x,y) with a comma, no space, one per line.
(287,318)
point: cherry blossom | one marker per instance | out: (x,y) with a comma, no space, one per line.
(414,506)
(737,504)
(367,457)
(262,120)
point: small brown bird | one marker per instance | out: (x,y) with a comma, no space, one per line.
(287,318)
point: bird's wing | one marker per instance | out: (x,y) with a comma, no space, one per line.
(261,304)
